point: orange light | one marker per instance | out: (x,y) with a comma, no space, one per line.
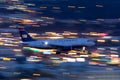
(114,40)
(102,41)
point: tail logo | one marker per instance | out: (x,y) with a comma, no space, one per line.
(24,36)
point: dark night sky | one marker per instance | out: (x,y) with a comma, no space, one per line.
(109,10)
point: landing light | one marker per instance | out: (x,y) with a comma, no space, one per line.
(46,43)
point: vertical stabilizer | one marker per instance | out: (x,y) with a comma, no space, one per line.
(24,35)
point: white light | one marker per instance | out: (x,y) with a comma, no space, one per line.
(114,56)
(113,48)
(80,59)
(107,37)
(71,60)
(46,43)
(84,55)
(72,53)
(46,52)
(83,48)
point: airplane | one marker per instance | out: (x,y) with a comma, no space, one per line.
(60,44)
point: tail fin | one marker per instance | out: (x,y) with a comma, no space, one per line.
(24,35)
